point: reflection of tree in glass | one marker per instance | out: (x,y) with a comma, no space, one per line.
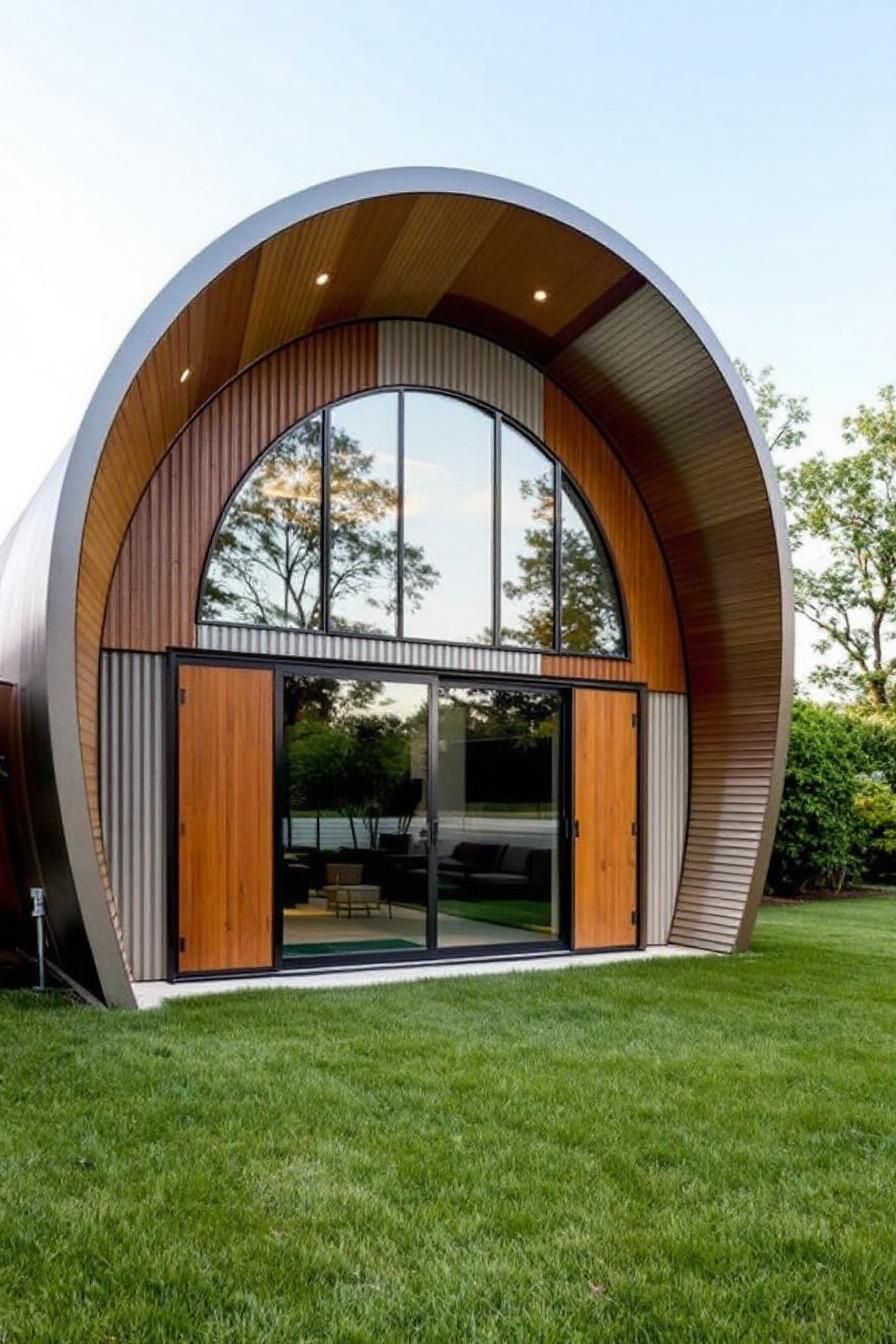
(265,563)
(345,757)
(507,737)
(489,713)
(589,611)
(364,541)
(533,588)
(590,620)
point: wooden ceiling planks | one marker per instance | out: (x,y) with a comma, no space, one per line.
(638,367)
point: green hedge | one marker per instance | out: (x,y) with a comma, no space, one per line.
(838,811)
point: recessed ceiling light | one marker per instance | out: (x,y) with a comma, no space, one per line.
(540,296)
(323,278)
(185,375)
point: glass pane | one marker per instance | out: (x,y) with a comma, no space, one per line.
(499,816)
(527,543)
(265,561)
(355,852)
(364,514)
(591,621)
(447,520)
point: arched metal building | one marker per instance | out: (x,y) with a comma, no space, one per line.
(416,585)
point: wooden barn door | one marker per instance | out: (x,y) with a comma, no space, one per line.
(605,867)
(226,820)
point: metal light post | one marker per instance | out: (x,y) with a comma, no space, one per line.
(39,911)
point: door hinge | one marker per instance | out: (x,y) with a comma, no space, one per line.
(575,829)
(181,696)
(636,719)
(183,828)
(634,916)
(634,828)
(182,944)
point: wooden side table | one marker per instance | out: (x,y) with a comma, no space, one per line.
(358,896)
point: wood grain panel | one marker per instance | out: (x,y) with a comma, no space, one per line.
(605,738)
(654,636)
(522,256)
(226,820)
(154,591)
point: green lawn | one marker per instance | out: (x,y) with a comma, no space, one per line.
(691,1150)
(534,915)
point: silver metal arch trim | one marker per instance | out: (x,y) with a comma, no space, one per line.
(148,330)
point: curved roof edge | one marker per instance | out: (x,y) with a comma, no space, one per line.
(198,273)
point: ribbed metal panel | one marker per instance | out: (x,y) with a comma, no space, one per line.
(667,807)
(430,355)
(132,802)
(351,649)
(663,397)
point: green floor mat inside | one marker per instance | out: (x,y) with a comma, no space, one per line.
(350,945)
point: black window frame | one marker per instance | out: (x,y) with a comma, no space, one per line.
(562,479)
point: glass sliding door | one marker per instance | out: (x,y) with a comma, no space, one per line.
(354,872)
(499,831)
(419,816)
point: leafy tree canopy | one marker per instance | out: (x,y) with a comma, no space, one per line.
(842,518)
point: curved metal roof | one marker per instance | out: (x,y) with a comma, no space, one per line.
(618,335)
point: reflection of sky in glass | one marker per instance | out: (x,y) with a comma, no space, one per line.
(265,564)
(399,699)
(527,526)
(448,473)
(364,514)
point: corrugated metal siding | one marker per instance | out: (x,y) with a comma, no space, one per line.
(429,355)
(132,802)
(667,807)
(351,649)
(660,395)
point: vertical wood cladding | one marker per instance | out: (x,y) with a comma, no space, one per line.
(606,814)
(153,596)
(655,655)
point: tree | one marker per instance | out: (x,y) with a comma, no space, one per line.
(848,507)
(845,510)
(821,833)
(784,419)
(589,607)
(265,566)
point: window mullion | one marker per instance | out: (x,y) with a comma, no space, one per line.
(496,530)
(325,521)
(399,525)
(558,555)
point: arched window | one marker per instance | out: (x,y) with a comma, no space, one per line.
(415,515)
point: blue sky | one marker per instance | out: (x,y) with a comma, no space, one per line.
(748,149)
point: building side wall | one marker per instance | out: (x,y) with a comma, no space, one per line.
(667,808)
(132,794)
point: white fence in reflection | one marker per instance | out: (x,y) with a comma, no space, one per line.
(336,832)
